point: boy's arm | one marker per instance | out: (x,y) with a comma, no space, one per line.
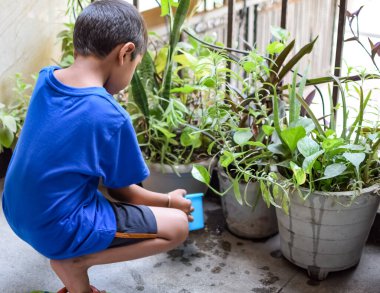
(138,195)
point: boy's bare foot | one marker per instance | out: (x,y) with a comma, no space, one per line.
(73,274)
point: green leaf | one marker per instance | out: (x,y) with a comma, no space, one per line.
(268,130)
(165,6)
(185,59)
(10,122)
(242,136)
(255,144)
(294,105)
(265,193)
(209,82)
(291,136)
(226,159)
(236,187)
(332,143)
(294,60)
(190,138)
(187,89)
(210,147)
(278,149)
(6,137)
(200,173)
(355,159)
(164,131)
(306,123)
(333,170)
(275,47)
(299,173)
(307,146)
(139,95)
(309,161)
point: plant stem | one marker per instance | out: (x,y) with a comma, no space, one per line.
(375,148)
(361,115)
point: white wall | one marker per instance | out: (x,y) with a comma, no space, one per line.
(28,31)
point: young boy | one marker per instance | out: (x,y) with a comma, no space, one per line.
(76,133)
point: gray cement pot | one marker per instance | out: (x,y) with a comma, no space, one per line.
(243,220)
(163,179)
(322,235)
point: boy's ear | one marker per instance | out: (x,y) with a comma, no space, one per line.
(126,51)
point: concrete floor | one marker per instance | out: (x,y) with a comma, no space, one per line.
(211,260)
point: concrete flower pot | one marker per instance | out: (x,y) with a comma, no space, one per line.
(245,221)
(163,179)
(327,232)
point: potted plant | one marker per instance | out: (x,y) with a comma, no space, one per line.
(171,92)
(8,130)
(12,117)
(243,135)
(329,178)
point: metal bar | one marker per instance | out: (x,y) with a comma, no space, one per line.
(255,17)
(136,3)
(339,47)
(230,22)
(230,30)
(284,8)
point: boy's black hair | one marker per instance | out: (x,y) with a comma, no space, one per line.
(104,24)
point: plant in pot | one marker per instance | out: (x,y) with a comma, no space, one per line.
(244,131)
(171,92)
(330,174)
(12,117)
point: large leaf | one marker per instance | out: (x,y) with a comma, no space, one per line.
(242,136)
(306,123)
(355,159)
(10,123)
(236,187)
(278,149)
(6,137)
(299,173)
(139,95)
(309,161)
(334,170)
(200,173)
(147,71)
(292,135)
(307,146)
(280,59)
(294,60)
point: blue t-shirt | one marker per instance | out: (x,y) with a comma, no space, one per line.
(70,139)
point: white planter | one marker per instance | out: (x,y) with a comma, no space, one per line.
(243,220)
(322,235)
(163,179)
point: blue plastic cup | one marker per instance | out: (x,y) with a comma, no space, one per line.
(197,203)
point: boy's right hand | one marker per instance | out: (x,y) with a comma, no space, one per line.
(179,202)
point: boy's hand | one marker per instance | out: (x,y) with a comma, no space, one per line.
(179,202)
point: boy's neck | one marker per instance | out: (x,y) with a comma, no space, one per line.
(87,71)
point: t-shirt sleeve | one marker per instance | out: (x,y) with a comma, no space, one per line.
(121,161)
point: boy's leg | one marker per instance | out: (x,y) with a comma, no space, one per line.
(172,230)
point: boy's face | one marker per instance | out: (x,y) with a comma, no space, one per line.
(123,70)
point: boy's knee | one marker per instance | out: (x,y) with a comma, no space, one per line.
(181,229)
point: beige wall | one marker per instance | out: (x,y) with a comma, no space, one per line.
(28,31)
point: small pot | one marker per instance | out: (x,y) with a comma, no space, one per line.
(197,203)
(163,178)
(245,221)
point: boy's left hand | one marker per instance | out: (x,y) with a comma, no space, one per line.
(179,202)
